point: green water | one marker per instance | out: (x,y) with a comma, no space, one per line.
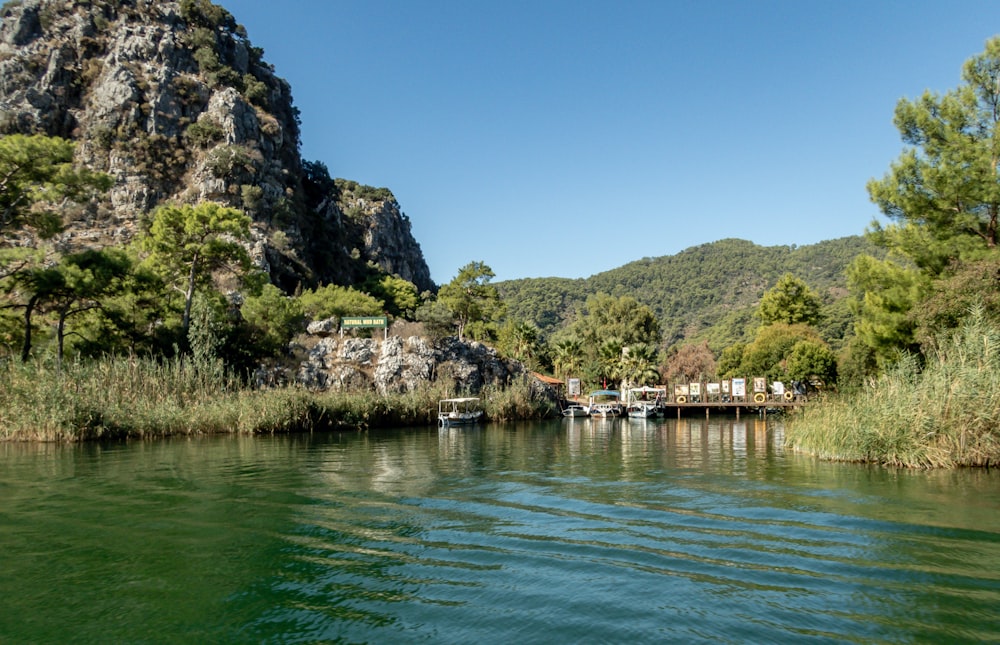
(565,531)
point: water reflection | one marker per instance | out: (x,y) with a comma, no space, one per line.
(597,530)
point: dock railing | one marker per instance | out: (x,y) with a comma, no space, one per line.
(735,394)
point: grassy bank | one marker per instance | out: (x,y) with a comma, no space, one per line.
(133,398)
(946,414)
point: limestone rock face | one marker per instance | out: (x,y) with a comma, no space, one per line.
(388,241)
(174,102)
(405,364)
(323,328)
(399,365)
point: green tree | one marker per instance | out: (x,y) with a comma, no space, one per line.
(186,244)
(400,296)
(790,301)
(883,294)
(949,300)
(37,179)
(131,318)
(333,301)
(810,361)
(435,316)
(622,318)
(210,325)
(274,317)
(768,353)
(82,283)
(638,365)
(609,362)
(856,363)
(942,195)
(942,199)
(77,283)
(37,183)
(30,290)
(222,339)
(731,361)
(471,297)
(519,340)
(567,357)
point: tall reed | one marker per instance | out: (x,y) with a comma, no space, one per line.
(122,397)
(945,414)
(521,398)
(132,397)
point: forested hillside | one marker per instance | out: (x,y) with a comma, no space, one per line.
(695,289)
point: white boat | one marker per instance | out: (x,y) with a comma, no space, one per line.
(461,411)
(645,402)
(605,403)
(576,410)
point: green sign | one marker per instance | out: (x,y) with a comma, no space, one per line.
(353,322)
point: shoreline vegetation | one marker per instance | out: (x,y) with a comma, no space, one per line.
(137,398)
(943,414)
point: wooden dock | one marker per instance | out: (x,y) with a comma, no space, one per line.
(736,395)
(757,407)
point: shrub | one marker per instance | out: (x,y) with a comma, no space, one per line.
(224,160)
(203,132)
(254,90)
(251,196)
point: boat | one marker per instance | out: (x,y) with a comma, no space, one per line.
(461,411)
(576,410)
(645,402)
(605,403)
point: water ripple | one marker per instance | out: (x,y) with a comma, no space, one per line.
(531,534)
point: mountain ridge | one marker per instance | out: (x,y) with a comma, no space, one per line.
(694,289)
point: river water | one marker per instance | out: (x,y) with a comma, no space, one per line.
(551,532)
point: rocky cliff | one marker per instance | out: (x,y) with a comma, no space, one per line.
(398,365)
(173,101)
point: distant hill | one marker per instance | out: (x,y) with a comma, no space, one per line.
(695,289)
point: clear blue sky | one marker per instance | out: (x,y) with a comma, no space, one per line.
(565,138)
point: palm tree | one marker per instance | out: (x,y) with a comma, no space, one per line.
(609,356)
(638,365)
(567,357)
(521,340)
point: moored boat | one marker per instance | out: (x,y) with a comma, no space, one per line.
(605,403)
(460,411)
(576,410)
(645,402)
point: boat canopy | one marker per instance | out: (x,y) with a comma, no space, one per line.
(605,393)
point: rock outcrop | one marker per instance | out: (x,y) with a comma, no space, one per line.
(398,365)
(173,101)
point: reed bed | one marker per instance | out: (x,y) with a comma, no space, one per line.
(128,397)
(944,414)
(519,399)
